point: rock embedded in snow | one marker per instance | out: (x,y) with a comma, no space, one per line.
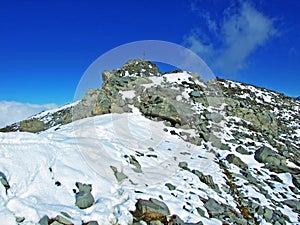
(236,161)
(149,210)
(267,155)
(84,198)
(213,207)
(44,220)
(4,182)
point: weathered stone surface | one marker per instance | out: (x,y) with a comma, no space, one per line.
(213,207)
(183,165)
(236,161)
(267,155)
(120,176)
(216,117)
(20,219)
(32,126)
(44,220)
(62,220)
(84,198)
(4,182)
(149,210)
(207,179)
(242,150)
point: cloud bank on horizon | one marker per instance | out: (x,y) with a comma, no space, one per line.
(231,38)
(12,112)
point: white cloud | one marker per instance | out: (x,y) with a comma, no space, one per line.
(11,112)
(233,38)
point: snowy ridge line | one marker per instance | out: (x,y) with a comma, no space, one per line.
(216,152)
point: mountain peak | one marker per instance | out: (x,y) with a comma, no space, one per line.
(213,152)
(134,68)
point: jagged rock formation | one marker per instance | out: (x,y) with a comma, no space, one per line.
(252,133)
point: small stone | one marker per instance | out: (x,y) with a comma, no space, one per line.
(20,219)
(183,165)
(170,186)
(4,182)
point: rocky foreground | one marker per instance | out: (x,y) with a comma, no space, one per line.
(237,161)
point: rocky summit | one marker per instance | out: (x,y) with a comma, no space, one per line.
(229,152)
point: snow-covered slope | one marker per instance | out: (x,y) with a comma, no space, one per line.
(220,152)
(42,169)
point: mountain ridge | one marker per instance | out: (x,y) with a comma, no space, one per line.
(236,155)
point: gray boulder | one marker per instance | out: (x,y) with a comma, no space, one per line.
(214,208)
(84,198)
(236,161)
(151,210)
(242,150)
(44,220)
(268,156)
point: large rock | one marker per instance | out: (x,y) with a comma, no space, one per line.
(214,208)
(84,198)
(32,126)
(150,210)
(207,179)
(268,156)
(236,161)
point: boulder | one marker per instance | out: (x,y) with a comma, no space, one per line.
(268,156)
(151,210)
(240,149)
(44,220)
(120,176)
(32,126)
(236,161)
(214,208)
(207,179)
(84,198)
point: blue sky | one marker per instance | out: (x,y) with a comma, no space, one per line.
(46,46)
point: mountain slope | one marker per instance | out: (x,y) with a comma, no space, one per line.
(217,152)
